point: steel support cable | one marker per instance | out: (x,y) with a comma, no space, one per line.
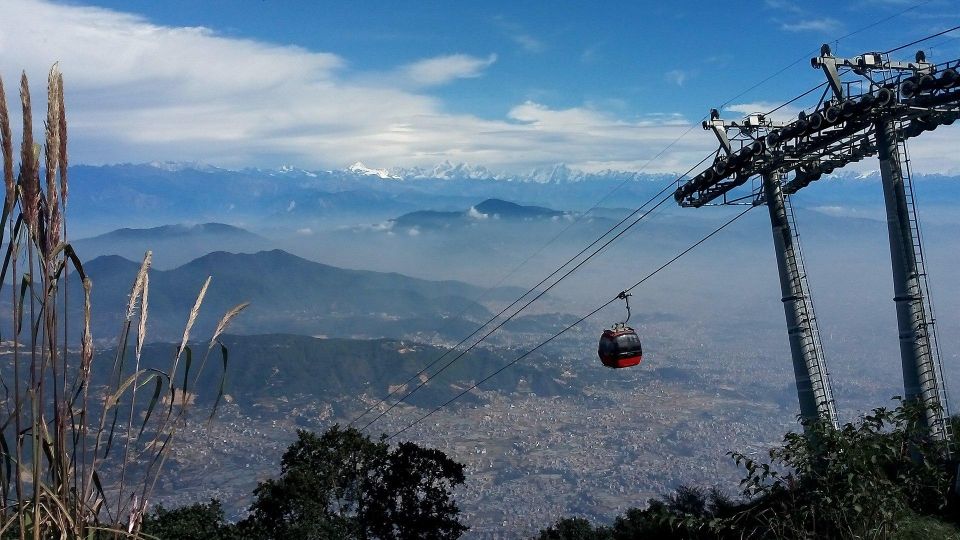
(555,272)
(806,56)
(921,40)
(580,320)
(933,46)
(518,311)
(803,95)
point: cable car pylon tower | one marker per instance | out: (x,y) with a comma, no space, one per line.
(874,115)
(810,372)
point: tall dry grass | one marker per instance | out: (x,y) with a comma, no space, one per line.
(80,453)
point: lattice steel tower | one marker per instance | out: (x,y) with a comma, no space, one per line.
(887,104)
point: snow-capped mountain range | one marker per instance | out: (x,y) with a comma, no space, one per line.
(160,193)
(361,169)
(555,174)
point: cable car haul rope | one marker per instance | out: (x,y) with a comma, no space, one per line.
(578,321)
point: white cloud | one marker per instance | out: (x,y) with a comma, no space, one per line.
(473,213)
(824,25)
(832,210)
(443,69)
(141,92)
(935,151)
(782,114)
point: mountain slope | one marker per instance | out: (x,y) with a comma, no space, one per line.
(287,294)
(172,245)
(497,209)
(269,366)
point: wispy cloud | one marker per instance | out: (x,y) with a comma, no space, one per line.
(788,6)
(528,42)
(825,25)
(516,33)
(444,69)
(590,55)
(676,76)
(793,16)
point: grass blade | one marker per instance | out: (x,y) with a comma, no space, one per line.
(153,403)
(187,362)
(223,380)
(24,287)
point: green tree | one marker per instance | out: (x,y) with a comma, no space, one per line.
(880,477)
(861,480)
(195,522)
(574,529)
(342,484)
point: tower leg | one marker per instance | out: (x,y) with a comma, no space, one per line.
(813,389)
(916,355)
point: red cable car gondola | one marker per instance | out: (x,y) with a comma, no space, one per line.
(620,346)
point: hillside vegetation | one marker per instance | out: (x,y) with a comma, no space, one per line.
(878,478)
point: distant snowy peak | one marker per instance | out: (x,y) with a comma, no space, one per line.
(449,171)
(179,166)
(289,170)
(873,174)
(361,169)
(555,174)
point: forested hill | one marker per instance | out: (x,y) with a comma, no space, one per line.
(286,294)
(266,367)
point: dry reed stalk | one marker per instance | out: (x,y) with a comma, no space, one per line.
(86,339)
(138,285)
(109,402)
(141,336)
(63,143)
(225,321)
(186,329)
(6,145)
(59,486)
(194,312)
(29,175)
(144,310)
(221,327)
(52,163)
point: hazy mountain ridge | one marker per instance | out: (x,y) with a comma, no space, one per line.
(287,294)
(489,209)
(103,198)
(172,245)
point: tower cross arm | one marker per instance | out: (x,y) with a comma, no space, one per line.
(863,63)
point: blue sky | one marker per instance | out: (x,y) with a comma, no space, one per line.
(509,85)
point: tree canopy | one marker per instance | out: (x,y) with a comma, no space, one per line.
(337,485)
(881,477)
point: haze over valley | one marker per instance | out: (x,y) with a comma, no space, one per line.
(351,298)
(358,270)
